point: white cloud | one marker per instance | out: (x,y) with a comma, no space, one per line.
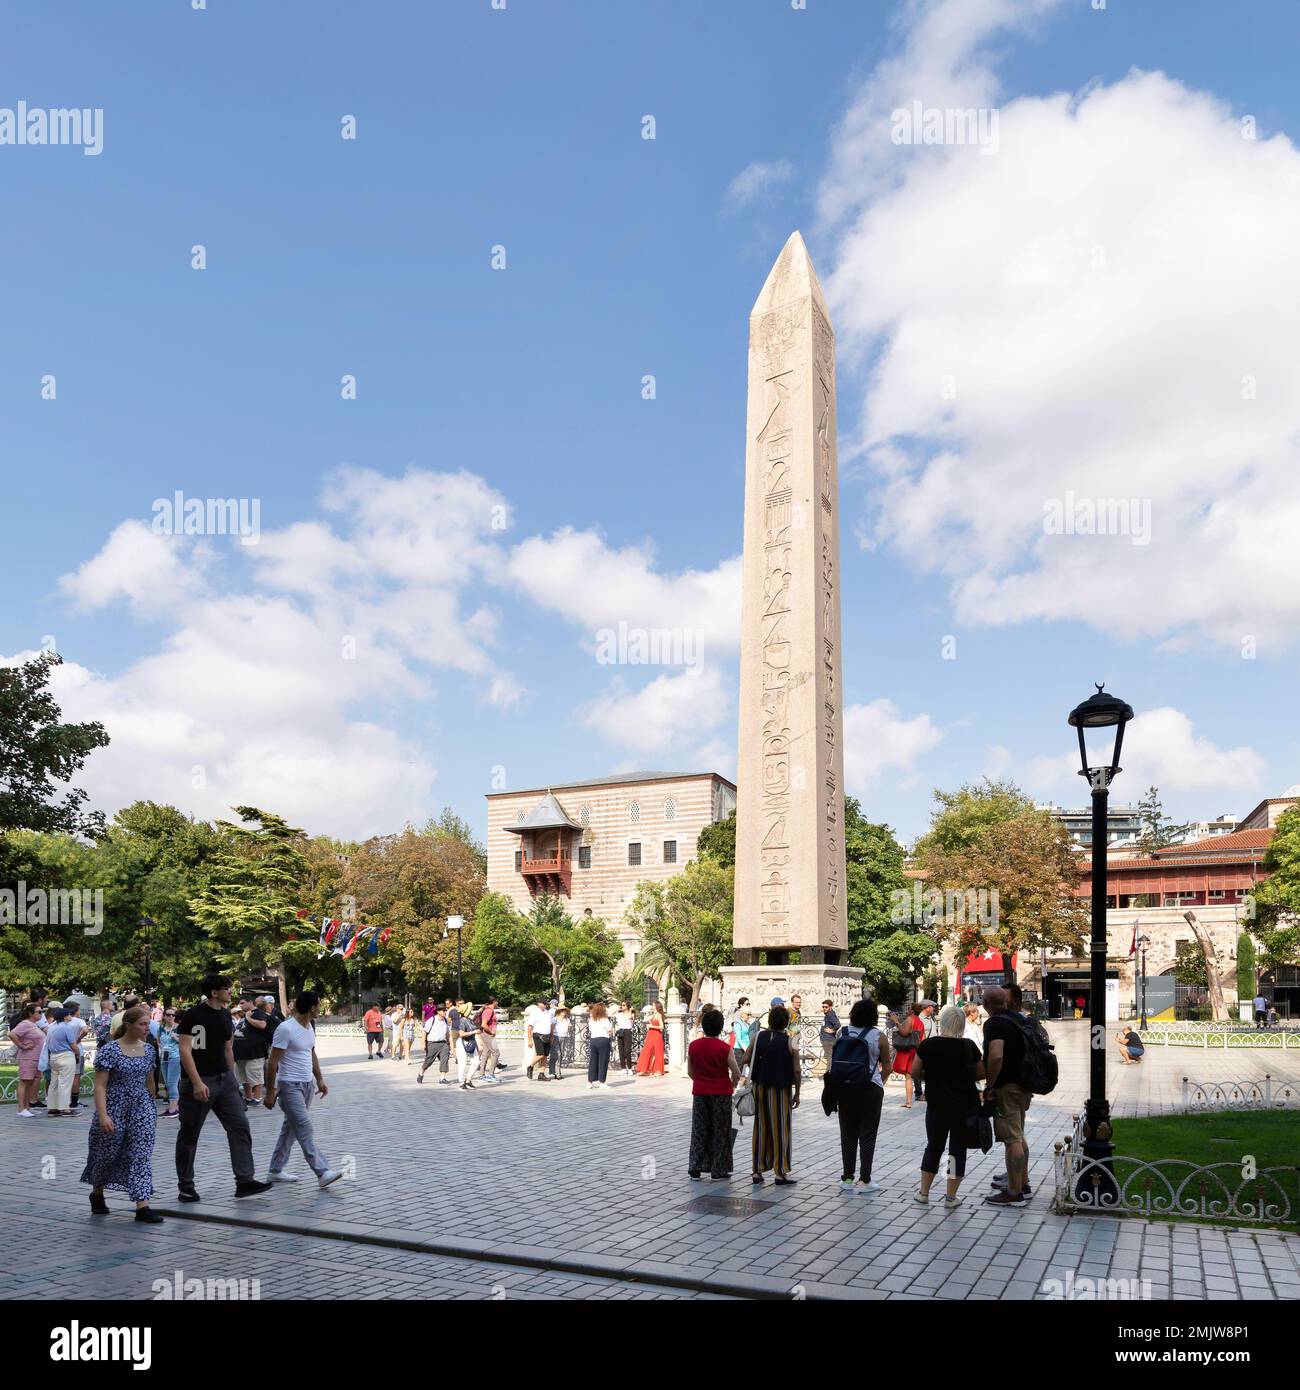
(668,714)
(1161,749)
(1114,297)
(756,179)
(273,689)
(150,571)
(877,738)
(576,574)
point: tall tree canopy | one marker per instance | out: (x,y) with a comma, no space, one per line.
(685,924)
(38,750)
(248,906)
(1277,898)
(1158,831)
(892,953)
(544,951)
(990,838)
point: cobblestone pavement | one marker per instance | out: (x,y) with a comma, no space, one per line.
(531,1190)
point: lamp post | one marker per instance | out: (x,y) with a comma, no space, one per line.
(147,923)
(1142,943)
(1099,712)
(454,924)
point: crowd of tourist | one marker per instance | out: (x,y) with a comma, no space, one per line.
(964,1063)
(459,1030)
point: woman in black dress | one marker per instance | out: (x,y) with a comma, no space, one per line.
(122,1135)
(949,1064)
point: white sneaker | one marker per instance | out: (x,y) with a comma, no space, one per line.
(865,1189)
(327,1177)
(283,1177)
(27,1114)
(952,1203)
(922,1198)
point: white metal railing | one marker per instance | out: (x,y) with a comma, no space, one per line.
(1243,1039)
(1265,1094)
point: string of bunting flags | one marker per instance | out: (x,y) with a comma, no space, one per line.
(338,938)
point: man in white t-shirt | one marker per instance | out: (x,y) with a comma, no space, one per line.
(292,1070)
(437,1045)
(538,1025)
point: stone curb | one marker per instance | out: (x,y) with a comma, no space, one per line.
(539,1257)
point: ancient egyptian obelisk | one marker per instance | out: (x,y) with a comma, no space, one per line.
(790,880)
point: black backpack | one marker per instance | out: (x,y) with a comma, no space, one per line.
(851,1066)
(1039,1072)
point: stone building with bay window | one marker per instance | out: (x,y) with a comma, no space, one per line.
(591,842)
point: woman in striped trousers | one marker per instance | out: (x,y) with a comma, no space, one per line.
(772,1064)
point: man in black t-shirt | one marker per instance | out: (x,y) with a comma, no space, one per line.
(252,1047)
(1004,1061)
(208,1083)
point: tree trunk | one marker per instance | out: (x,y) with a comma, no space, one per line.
(1217,1005)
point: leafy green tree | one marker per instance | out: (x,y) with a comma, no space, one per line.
(629,984)
(1277,898)
(685,924)
(991,839)
(891,952)
(37,749)
(1158,832)
(500,949)
(248,907)
(1190,967)
(409,884)
(542,952)
(37,752)
(963,816)
(717,841)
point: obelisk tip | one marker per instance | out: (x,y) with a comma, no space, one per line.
(791,278)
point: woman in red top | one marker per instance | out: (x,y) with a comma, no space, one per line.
(711,1065)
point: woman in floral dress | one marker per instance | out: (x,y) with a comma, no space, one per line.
(122,1136)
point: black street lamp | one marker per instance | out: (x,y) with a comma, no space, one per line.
(148,924)
(1142,943)
(1099,712)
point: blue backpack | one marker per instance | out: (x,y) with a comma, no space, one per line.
(851,1067)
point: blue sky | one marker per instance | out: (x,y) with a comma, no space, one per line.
(417,622)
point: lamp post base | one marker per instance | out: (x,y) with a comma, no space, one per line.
(1096,1185)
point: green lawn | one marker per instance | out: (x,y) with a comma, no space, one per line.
(1264,1139)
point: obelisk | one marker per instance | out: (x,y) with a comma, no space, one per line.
(790,879)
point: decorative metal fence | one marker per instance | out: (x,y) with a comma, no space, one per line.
(1204,1096)
(1170,1187)
(1244,1038)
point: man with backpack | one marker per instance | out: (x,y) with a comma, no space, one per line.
(855,1088)
(1019,1064)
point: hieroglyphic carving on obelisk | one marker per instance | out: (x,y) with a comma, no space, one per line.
(790,817)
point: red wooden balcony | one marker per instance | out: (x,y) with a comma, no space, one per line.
(551,875)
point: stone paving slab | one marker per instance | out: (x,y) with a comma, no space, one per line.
(589,1186)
